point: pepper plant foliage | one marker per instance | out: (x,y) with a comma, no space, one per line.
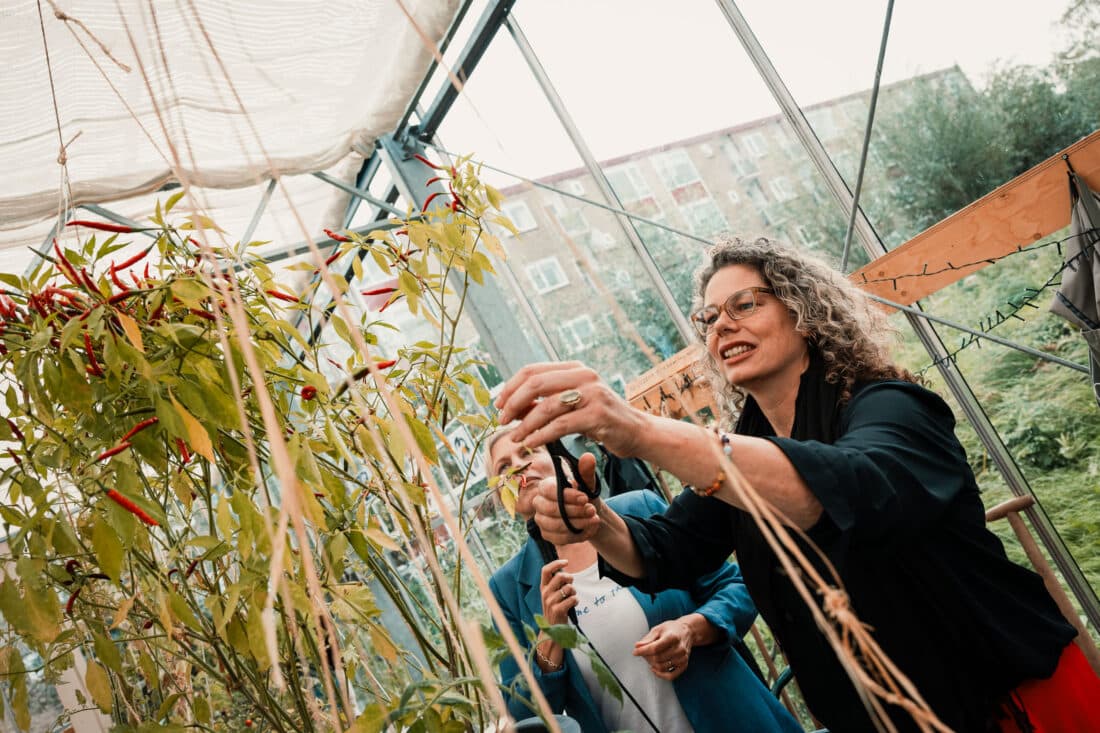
(138,530)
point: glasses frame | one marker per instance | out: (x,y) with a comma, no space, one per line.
(704,328)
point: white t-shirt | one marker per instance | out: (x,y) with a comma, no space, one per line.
(611,618)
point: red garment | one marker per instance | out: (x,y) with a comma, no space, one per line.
(1066,702)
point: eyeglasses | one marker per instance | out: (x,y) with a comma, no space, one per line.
(741,304)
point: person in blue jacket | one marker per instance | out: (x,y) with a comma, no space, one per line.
(673,650)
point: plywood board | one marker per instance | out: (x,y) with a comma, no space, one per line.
(1019,213)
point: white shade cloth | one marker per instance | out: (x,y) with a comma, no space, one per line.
(228,93)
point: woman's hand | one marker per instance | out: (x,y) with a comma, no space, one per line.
(581,510)
(558,593)
(667,648)
(553,399)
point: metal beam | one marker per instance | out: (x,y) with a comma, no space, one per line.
(687,333)
(484,32)
(955,380)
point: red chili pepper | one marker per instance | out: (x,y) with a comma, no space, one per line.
(387,304)
(139,427)
(191,568)
(15,430)
(379,291)
(171,572)
(114,278)
(72,566)
(93,363)
(146,270)
(88,281)
(119,297)
(282,296)
(385,364)
(185,455)
(131,507)
(32,301)
(433,180)
(64,265)
(428,201)
(101,225)
(71,601)
(17,459)
(336,237)
(157,311)
(399,232)
(331,258)
(522,481)
(309,392)
(112,451)
(202,314)
(133,260)
(427,162)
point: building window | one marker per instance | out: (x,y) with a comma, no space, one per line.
(546,275)
(578,334)
(628,183)
(571,218)
(756,195)
(675,169)
(804,235)
(755,144)
(601,240)
(823,123)
(782,189)
(743,164)
(704,217)
(520,216)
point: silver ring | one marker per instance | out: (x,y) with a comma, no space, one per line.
(571,398)
(671,668)
(564,595)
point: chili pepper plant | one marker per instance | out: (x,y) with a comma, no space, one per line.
(148,402)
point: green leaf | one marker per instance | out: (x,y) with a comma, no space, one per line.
(99,685)
(371,720)
(108,548)
(606,678)
(173,200)
(201,709)
(190,291)
(166,706)
(107,652)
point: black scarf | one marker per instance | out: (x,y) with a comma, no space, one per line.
(816,410)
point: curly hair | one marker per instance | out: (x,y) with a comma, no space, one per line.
(848,330)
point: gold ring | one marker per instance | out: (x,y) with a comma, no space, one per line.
(570,398)
(564,595)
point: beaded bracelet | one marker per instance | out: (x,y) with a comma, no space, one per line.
(720,479)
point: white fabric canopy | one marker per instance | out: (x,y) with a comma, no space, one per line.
(228,93)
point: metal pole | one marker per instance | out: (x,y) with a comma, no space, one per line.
(512,283)
(687,333)
(969,403)
(246,237)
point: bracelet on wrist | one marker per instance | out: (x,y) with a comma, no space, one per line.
(545,660)
(720,479)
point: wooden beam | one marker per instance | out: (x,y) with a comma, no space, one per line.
(1019,213)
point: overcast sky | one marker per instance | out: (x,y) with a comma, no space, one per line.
(639,73)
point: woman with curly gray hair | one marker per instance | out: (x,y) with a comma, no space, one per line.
(849,449)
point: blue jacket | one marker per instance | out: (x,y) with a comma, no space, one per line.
(718,691)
